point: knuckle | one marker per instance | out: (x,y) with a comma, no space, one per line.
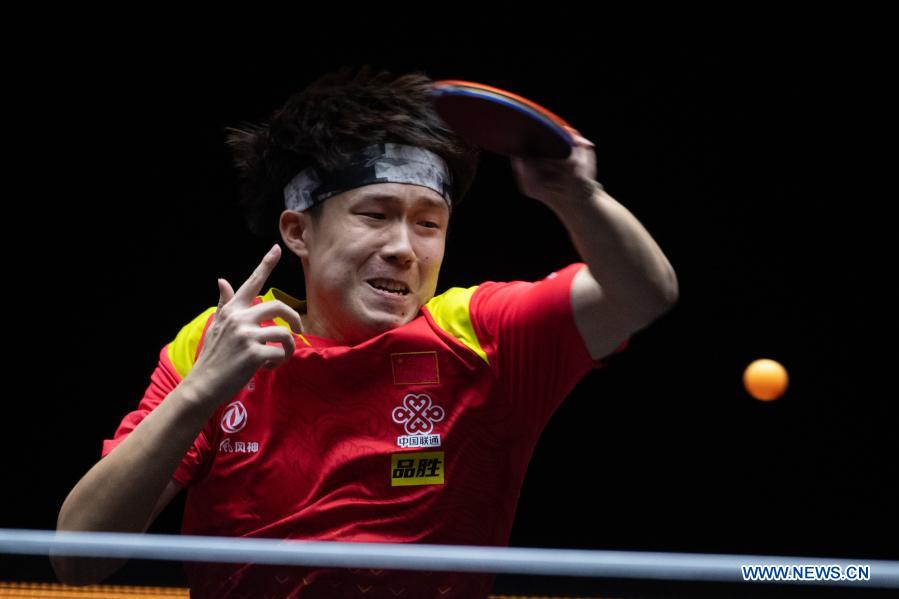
(250,337)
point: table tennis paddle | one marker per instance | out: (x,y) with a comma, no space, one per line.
(500,121)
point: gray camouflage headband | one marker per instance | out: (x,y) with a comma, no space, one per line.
(379,163)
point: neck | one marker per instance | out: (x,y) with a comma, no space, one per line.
(317,324)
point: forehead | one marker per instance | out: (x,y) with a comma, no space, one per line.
(406,193)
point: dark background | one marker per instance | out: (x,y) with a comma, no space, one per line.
(752,158)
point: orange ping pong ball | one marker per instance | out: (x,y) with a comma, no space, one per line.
(765,379)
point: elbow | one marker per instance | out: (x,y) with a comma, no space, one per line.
(79,571)
(66,573)
(665,298)
(69,571)
(670,291)
(82,571)
(672,295)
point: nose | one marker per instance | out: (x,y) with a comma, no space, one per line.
(398,247)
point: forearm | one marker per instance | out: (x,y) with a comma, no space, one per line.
(120,491)
(621,254)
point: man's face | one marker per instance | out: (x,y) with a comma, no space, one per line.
(369,240)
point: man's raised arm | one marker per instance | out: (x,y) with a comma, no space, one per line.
(629,282)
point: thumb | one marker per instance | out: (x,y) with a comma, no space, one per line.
(225,293)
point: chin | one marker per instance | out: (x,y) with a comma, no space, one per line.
(375,320)
(386,324)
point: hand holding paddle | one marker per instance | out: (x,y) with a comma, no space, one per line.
(554,181)
(552,162)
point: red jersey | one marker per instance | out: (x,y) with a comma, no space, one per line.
(422,434)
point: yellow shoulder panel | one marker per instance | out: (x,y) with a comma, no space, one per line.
(450,312)
(299,305)
(183,349)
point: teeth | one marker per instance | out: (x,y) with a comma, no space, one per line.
(388,286)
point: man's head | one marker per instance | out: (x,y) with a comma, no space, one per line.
(366,242)
(358,229)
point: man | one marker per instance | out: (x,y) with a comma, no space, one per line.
(381,412)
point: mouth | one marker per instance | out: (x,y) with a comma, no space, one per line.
(389,287)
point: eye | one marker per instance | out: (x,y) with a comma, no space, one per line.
(430,225)
(376,215)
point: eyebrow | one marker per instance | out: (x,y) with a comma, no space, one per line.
(432,202)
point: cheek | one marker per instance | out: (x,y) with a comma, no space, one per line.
(431,265)
(436,258)
(335,271)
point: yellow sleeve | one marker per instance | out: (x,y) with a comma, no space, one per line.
(182,350)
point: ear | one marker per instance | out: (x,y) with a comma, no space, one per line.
(296,232)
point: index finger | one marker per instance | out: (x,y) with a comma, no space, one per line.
(253,285)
